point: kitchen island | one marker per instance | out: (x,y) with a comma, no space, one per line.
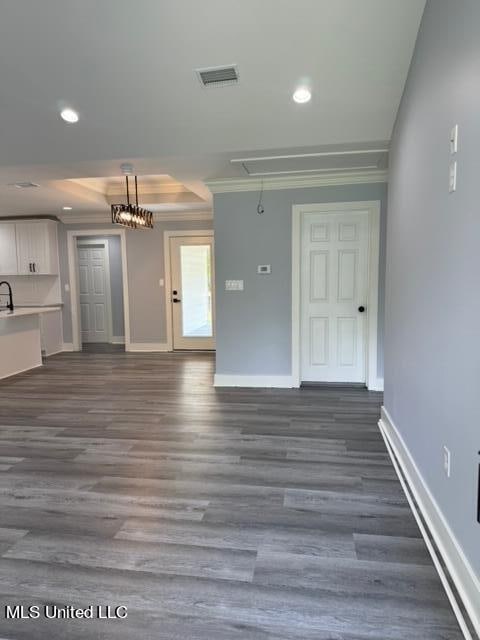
(20,339)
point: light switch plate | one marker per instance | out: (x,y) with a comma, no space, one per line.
(454,139)
(233,285)
(452,184)
(264,269)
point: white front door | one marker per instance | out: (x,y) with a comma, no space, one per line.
(334,289)
(192,292)
(94,292)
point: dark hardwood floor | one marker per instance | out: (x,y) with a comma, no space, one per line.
(226,514)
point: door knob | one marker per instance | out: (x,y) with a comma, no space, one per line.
(361,308)
(176,300)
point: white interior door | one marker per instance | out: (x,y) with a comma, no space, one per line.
(334,289)
(192,292)
(94,292)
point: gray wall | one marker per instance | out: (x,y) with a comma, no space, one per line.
(432,352)
(254,327)
(116,281)
(145,268)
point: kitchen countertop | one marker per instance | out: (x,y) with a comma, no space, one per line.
(25,311)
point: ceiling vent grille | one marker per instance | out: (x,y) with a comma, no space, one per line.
(218,76)
(25,185)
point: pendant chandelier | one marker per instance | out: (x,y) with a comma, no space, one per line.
(131,215)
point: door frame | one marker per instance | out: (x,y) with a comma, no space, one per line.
(72,237)
(168,273)
(373,382)
(108,291)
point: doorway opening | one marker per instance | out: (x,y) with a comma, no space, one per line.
(99,290)
(190,290)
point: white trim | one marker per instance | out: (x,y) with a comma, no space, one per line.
(315,154)
(373,208)
(67,346)
(277,382)
(73,279)
(376,385)
(108,292)
(16,373)
(230,185)
(466,582)
(54,353)
(168,273)
(117,340)
(149,347)
(101,217)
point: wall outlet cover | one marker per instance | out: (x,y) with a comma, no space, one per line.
(447,461)
(452,184)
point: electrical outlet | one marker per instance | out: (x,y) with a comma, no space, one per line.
(446,461)
(452,183)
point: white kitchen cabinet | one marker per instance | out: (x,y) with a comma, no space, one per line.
(8,249)
(37,247)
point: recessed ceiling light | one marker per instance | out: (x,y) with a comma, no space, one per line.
(302,95)
(69,115)
(67,208)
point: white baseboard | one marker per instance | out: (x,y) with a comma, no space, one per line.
(54,353)
(117,340)
(149,347)
(376,385)
(466,582)
(16,373)
(278,382)
(67,346)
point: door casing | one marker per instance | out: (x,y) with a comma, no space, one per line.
(108,293)
(168,274)
(73,280)
(373,381)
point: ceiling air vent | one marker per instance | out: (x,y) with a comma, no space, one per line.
(218,76)
(25,185)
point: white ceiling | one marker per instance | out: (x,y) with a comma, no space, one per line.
(129,69)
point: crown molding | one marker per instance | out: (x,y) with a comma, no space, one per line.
(230,185)
(158,216)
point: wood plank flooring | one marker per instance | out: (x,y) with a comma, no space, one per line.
(212,514)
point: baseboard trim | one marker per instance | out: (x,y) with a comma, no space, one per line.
(376,385)
(458,566)
(54,353)
(67,346)
(117,340)
(148,347)
(277,382)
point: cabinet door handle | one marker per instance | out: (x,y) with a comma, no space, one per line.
(30,267)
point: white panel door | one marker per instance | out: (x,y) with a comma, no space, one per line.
(94,292)
(192,288)
(334,289)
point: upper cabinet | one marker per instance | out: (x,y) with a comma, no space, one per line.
(8,249)
(30,247)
